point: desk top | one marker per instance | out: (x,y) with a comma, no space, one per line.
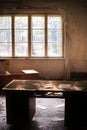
(46,85)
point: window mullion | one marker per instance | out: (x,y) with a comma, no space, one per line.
(13,42)
(46,36)
(29,36)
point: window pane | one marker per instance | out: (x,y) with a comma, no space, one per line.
(21,36)
(5,37)
(37,36)
(5,49)
(21,49)
(37,22)
(55,36)
(5,22)
(54,50)
(37,49)
(54,22)
(21,22)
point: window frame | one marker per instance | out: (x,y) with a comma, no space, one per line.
(29,35)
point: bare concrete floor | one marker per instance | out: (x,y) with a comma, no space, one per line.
(49,116)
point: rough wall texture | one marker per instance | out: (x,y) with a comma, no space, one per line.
(77,38)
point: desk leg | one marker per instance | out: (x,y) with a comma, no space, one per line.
(20,108)
(76,109)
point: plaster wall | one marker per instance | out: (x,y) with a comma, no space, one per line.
(48,69)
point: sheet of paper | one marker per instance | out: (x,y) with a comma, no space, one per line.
(48,85)
(65,86)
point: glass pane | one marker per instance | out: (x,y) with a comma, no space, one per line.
(21,49)
(55,36)
(37,49)
(37,36)
(21,36)
(5,22)
(5,36)
(37,22)
(54,22)
(54,50)
(5,49)
(21,22)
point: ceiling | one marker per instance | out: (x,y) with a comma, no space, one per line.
(32,4)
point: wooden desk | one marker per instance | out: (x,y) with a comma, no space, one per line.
(21,94)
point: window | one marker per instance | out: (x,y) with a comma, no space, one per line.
(31,36)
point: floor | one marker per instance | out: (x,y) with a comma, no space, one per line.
(49,116)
